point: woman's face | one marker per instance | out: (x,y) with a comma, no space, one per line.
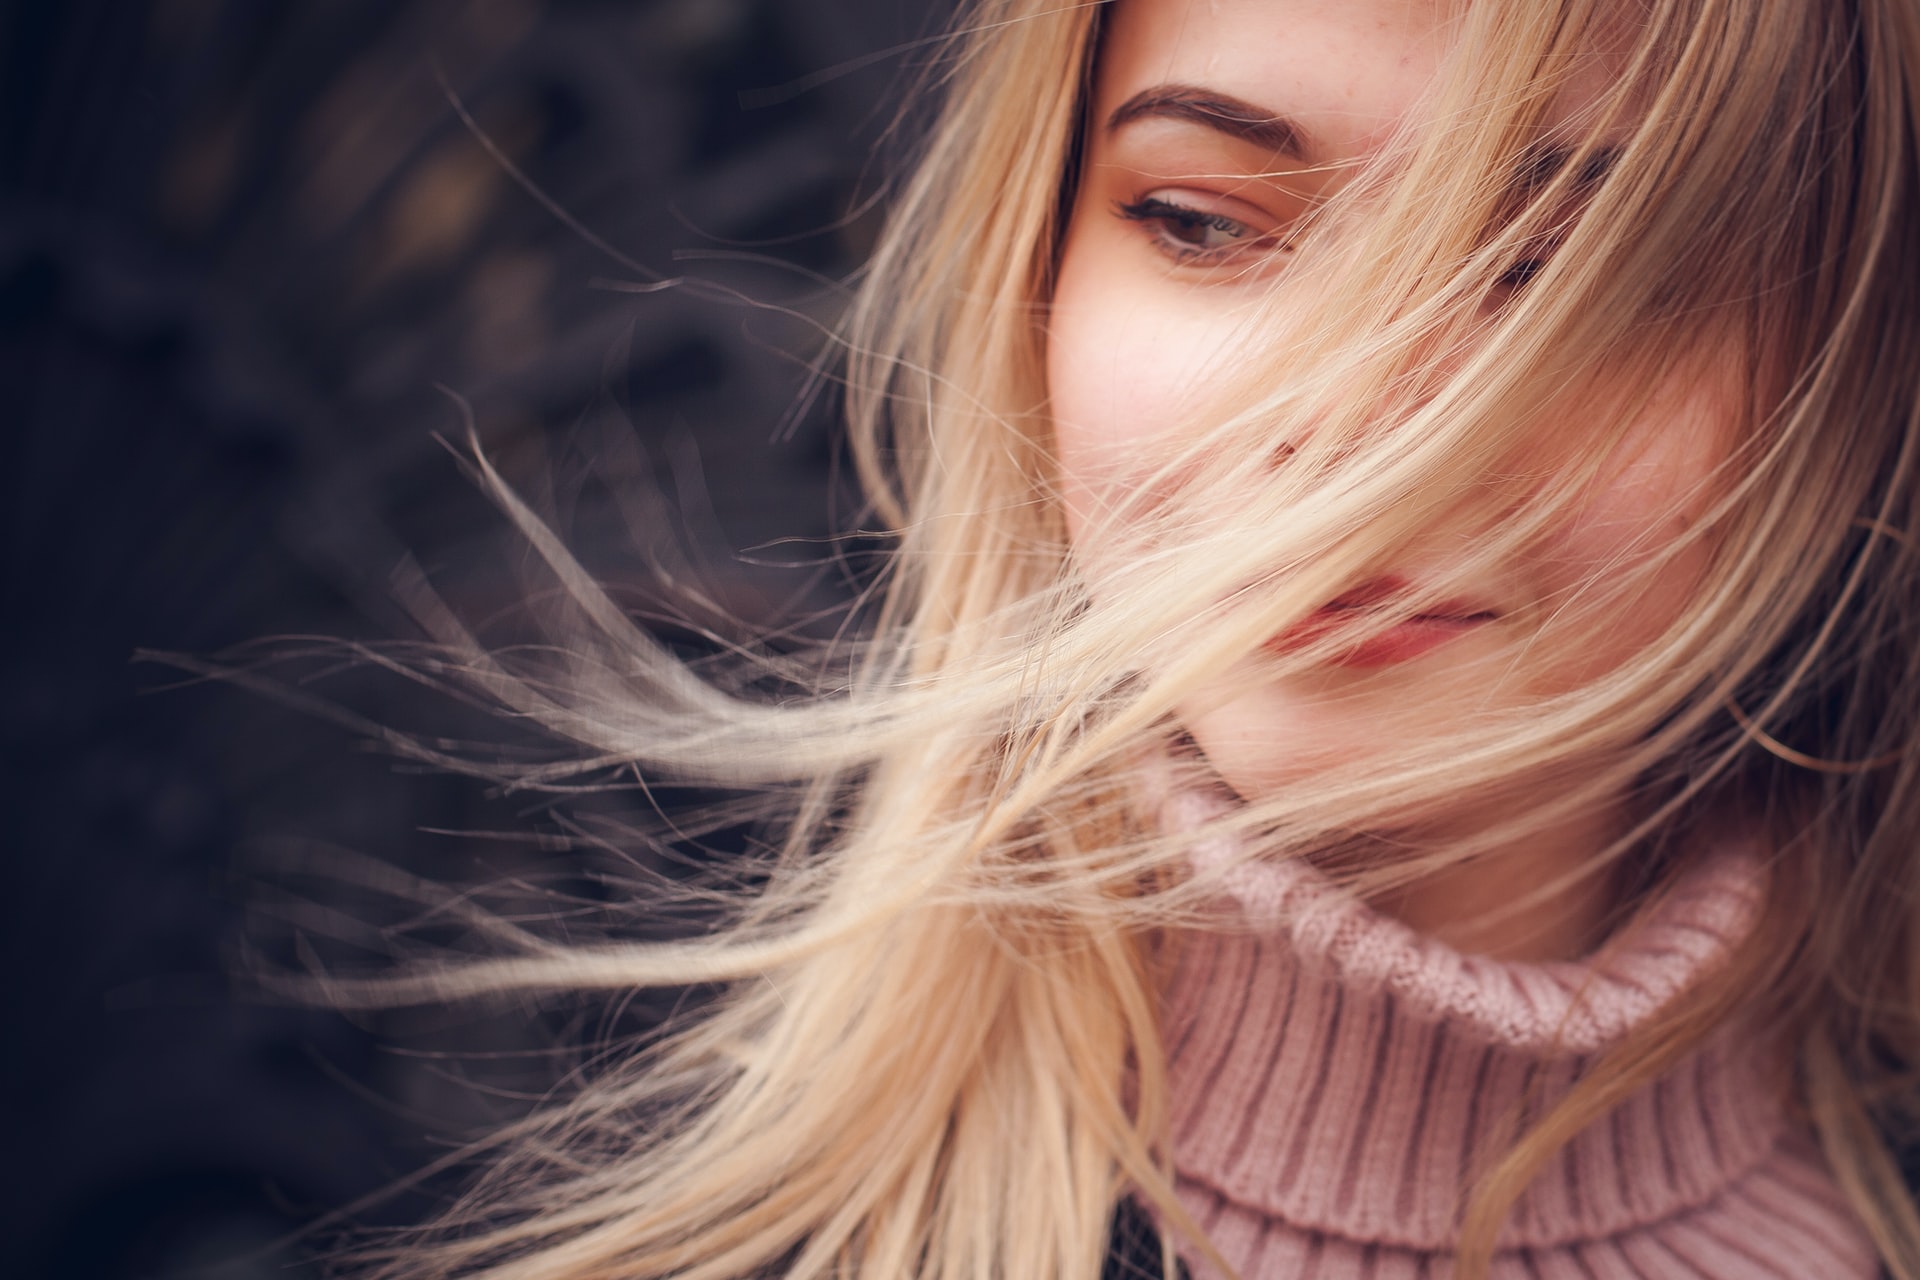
(1201,108)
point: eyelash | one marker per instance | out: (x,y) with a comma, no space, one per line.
(1521,273)
(1159,215)
(1156,212)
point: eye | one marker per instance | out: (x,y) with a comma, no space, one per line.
(1517,276)
(1534,254)
(1189,233)
(1534,258)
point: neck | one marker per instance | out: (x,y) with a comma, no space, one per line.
(1545,896)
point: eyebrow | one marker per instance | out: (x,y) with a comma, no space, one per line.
(1217,111)
(1242,120)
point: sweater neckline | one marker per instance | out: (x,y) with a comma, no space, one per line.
(1333,1070)
(1550,1007)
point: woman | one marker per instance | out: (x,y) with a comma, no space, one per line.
(1387,743)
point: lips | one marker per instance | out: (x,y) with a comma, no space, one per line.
(1414,637)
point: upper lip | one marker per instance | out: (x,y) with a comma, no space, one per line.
(1382,591)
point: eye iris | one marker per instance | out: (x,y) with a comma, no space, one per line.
(1202,231)
(1186,233)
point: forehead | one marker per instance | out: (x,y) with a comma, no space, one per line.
(1345,72)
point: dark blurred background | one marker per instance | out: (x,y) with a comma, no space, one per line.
(252,264)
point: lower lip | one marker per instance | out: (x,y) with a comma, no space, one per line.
(1414,638)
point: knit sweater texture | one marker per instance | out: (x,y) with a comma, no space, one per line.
(1338,1081)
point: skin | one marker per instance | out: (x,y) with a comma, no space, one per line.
(1176,224)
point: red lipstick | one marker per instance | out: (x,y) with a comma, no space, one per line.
(1411,638)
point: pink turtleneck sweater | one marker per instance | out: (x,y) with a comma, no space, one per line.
(1334,1075)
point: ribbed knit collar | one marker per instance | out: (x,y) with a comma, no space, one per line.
(1335,1072)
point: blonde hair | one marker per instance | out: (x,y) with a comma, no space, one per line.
(935,1053)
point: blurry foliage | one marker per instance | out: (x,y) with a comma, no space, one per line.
(242,243)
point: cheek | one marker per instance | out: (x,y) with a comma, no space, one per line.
(1665,478)
(1625,569)
(1126,359)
